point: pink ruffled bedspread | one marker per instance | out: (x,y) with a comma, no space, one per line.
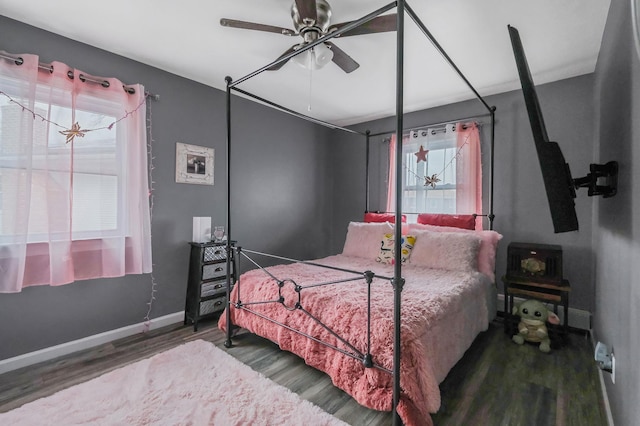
(442,313)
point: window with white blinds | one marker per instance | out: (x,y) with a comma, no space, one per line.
(97,161)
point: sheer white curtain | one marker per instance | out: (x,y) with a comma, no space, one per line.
(70,208)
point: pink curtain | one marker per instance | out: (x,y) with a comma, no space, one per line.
(391,187)
(468,171)
(71,209)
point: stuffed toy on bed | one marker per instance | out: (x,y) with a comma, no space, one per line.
(532,327)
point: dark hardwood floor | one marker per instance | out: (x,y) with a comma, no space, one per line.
(496,383)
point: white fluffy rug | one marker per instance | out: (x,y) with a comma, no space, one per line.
(192,384)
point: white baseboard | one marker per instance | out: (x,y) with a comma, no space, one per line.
(605,398)
(578,318)
(52,352)
(603,387)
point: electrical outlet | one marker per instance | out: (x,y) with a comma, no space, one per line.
(613,368)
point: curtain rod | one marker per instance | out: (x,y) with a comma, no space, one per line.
(83,77)
(433,129)
(441,123)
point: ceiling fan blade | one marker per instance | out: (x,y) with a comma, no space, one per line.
(307,10)
(379,24)
(341,59)
(253,26)
(278,66)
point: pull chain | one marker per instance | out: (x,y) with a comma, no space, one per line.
(311,60)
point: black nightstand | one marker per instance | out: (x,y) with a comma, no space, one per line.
(207,284)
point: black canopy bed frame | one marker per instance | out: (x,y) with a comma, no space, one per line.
(397,280)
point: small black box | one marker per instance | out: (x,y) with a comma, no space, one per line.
(541,262)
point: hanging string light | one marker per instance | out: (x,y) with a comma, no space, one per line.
(75,130)
(150,143)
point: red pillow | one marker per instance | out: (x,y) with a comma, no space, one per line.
(464,221)
(382,217)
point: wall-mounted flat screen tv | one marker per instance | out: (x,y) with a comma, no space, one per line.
(558,183)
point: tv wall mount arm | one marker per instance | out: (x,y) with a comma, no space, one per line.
(608,176)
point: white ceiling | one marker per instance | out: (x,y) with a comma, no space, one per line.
(561,39)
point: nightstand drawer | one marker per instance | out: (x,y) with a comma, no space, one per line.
(214,270)
(211,254)
(211,288)
(213,305)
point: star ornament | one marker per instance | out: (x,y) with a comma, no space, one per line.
(431,180)
(422,154)
(73,132)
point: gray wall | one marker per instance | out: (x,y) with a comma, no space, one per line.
(617,222)
(280,175)
(520,204)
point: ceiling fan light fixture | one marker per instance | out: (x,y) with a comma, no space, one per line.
(314,58)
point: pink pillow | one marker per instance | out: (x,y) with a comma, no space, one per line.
(463,221)
(488,245)
(364,239)
(452,251)
(382,217)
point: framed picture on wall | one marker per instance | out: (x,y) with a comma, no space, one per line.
(194,164)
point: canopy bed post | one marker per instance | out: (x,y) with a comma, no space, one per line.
(397,274)
(367,360)
(491,216)
(366,183)
(228,343)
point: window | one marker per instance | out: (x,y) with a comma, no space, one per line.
(441,171)
(97,174)
(418,197)
(73,200)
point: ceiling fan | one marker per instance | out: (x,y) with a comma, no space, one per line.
(312,20)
